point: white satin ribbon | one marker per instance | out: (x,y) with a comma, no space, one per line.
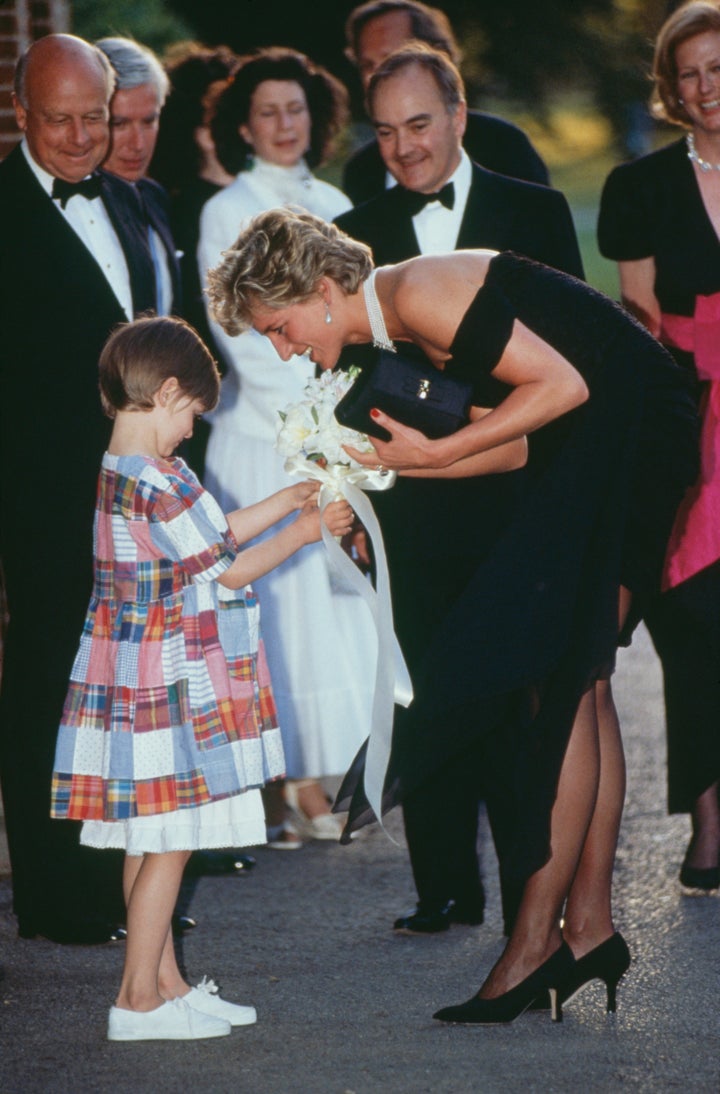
(392,679)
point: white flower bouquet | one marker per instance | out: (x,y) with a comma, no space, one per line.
(309,429)
(311,439)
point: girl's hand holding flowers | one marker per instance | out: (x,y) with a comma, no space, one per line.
(339,518)
(337,515)
(301,493)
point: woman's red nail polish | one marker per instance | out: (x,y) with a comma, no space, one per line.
(374,413)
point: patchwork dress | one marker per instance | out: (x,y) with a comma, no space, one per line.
(169,725)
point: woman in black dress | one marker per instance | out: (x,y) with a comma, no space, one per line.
(660,219)
(523,655)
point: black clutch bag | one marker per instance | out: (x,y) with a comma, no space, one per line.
(416,394)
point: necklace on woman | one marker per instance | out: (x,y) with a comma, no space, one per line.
(381,338)
(696,158)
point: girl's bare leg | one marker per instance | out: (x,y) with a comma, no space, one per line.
(536,934)
(151,975)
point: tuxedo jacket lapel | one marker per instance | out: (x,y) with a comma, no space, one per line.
(487,215)
(154,201)
(397,241)
(128,219)
(45,229)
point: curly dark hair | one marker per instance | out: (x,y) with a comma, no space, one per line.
(195,71)
(327,101)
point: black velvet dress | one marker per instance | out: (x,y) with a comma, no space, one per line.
(537,621)
(653,207)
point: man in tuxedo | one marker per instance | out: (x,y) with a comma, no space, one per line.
(74,263)
(375,30)
(142,86)
(437,531)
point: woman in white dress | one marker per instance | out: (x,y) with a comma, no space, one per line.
(275,120)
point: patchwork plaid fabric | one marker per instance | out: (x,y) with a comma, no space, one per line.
(169,704)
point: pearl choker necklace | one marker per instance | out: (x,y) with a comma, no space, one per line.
(381,338)
(693,155)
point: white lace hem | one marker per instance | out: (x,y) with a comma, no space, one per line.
(238,821)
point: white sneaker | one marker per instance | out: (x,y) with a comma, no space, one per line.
(173,1021)
(205,999)
(283,837)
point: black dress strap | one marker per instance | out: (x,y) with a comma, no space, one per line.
(481,338)
(492,314)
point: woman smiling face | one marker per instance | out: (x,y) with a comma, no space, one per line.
(278,125)
(301,328)
(697,61)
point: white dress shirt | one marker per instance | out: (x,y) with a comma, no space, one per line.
(436,227)
(161,266)
(90,221)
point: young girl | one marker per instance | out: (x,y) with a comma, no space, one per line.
(169,725)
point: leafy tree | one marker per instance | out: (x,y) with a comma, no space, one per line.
(149,21)
(521,49)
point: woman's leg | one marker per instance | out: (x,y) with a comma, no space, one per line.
(588,913)
(702,854)
(536,934)
(310,796)
(150,975)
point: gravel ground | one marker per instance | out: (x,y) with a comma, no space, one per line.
(345,1005)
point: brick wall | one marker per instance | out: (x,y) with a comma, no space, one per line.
(21,22)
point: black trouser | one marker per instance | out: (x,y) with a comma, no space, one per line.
(55,880)
(441,827)
(684,624)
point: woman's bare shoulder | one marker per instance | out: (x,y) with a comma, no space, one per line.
(431,294)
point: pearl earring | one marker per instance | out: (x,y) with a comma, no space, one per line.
(328,316)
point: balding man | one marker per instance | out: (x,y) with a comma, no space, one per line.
(74,263)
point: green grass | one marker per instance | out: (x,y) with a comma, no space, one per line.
(581,181)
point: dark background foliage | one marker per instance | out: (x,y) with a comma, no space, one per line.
(517,49)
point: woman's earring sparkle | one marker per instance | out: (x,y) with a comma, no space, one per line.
(328,316)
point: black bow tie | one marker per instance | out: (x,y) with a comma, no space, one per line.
(415,201)
(87,188)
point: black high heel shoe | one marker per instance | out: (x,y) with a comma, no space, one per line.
(696,877)
(507,1007)
(607,962)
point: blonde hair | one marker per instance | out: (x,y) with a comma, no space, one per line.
(277,261)
(689,20)
(139,357)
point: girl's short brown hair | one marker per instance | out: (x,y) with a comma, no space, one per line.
(139,357)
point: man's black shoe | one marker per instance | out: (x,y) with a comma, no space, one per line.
(182,923)
(426,921)
(66,933)
(211,863)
